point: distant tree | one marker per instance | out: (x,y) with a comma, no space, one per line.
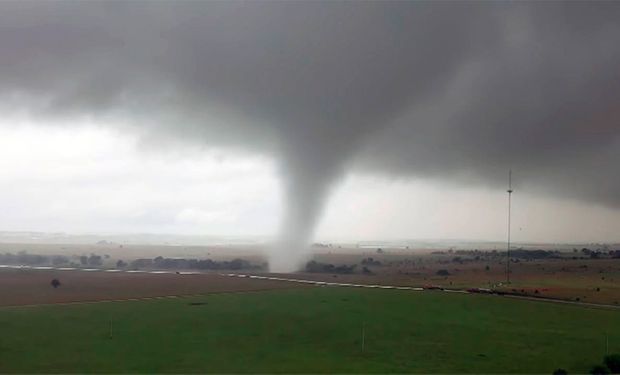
(560,371)
(370,262)
(83,260)
(316,267)
(121,264)
(443,272)
(599,370)
(236,264)
(59,259)
(612,362)
(487,268)
(55,283)
(142,263)
(94,260)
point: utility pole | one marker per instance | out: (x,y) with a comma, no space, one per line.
(606,343)
(508,246)
(363,336)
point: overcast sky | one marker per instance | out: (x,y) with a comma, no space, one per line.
(324,120)
(90,179)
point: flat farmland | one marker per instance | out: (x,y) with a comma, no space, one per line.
(308,330)
(584,280)
(31,287)
(567,276)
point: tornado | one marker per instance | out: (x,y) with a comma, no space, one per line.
(457,92)
(310,167)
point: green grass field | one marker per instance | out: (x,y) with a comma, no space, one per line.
(308,330)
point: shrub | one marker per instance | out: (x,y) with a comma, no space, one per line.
(599,370)
(560,371)
(612,362)
(443,273)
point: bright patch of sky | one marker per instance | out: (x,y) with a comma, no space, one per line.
(91,179)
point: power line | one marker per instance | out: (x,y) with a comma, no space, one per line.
(508,245)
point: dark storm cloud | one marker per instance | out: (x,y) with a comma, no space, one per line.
(453,90)
(544,101)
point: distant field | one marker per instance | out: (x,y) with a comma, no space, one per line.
(570,275)
(308,330)
(586,280)
(31,287)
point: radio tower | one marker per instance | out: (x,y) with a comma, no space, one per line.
(508,246)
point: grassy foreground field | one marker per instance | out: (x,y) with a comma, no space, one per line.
(308,330)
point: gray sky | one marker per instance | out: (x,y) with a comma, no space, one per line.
(360,119)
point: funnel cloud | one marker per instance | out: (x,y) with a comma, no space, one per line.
(458,91)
